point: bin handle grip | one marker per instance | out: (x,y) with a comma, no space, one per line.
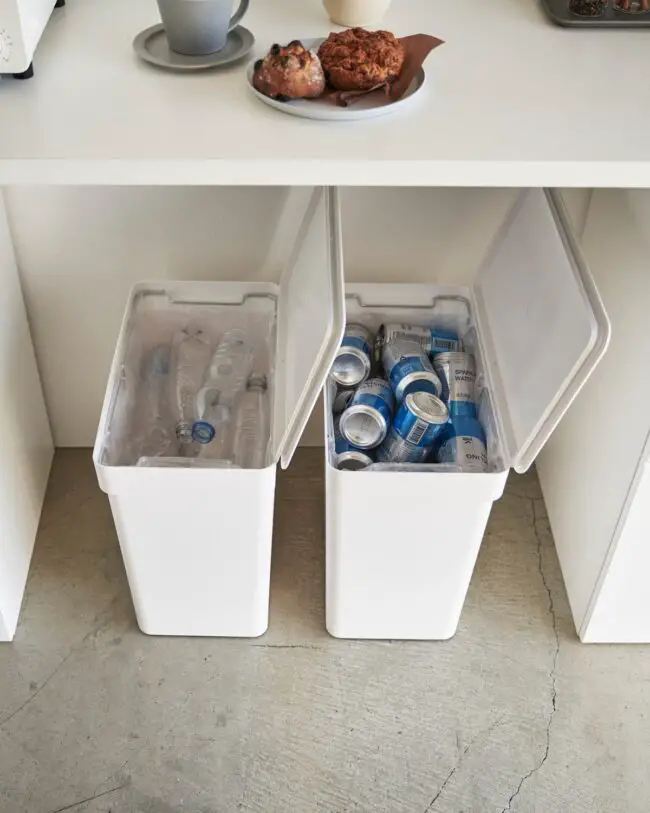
(431,304)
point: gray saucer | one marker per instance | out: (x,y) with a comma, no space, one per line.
(152,46)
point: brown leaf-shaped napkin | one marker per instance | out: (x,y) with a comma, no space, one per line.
(417,48)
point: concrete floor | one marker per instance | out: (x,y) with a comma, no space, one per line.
(513,714)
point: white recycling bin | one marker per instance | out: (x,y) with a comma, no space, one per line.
(196,542)
(402,541)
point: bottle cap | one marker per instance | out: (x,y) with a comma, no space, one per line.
(257,381)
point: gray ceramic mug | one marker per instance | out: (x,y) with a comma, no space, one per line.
(199,27)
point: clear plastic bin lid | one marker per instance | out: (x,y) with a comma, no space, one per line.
(310,322)
(542,324)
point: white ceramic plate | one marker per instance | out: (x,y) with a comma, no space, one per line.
(324,109)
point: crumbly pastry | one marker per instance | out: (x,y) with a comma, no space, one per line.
(289,72)
(357,59)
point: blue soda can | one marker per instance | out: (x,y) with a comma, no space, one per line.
(432,339)
(409,370)
(353,359)
(463,443)
(366,421)
(421,418)
(457,373)
(349,457)
(397,450)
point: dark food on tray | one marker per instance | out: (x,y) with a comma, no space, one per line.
(353,60)
(357,59)
(349,66)
(587,8)
(290,72)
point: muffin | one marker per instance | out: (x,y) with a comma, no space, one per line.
(290,72)
(357,59)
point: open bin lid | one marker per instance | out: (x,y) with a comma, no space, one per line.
(542,324)
(311,320)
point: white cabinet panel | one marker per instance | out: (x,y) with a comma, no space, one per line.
(620,606)
(419,235)
(591,463)
(25,439)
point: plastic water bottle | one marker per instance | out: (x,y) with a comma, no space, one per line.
(155,428)
(252,425)
(223,381)
(190,357)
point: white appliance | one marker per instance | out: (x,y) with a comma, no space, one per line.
(595,470)
(22,23)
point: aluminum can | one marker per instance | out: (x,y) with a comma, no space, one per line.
(353,359)
(457,373)
(409,370)
(366,421)
(432,339)
(463,443)
(349,457)
(397,450)
(421,418)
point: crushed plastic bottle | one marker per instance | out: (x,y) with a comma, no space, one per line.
(251,434)
(190,357)
(154,434)
(223,381)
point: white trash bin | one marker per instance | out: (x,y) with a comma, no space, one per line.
(402,541)
(196,542)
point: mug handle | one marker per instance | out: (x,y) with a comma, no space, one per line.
(237,16)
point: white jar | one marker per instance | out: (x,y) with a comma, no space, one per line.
(353,13)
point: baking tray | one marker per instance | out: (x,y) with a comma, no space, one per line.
(558,11)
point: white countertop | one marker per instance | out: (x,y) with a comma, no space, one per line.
(511,100)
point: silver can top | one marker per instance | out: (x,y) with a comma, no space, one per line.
(427,407)
(351,366)
(363,426)
(458,356)
(353,461)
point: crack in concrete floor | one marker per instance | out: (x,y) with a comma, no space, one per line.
(319,725)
